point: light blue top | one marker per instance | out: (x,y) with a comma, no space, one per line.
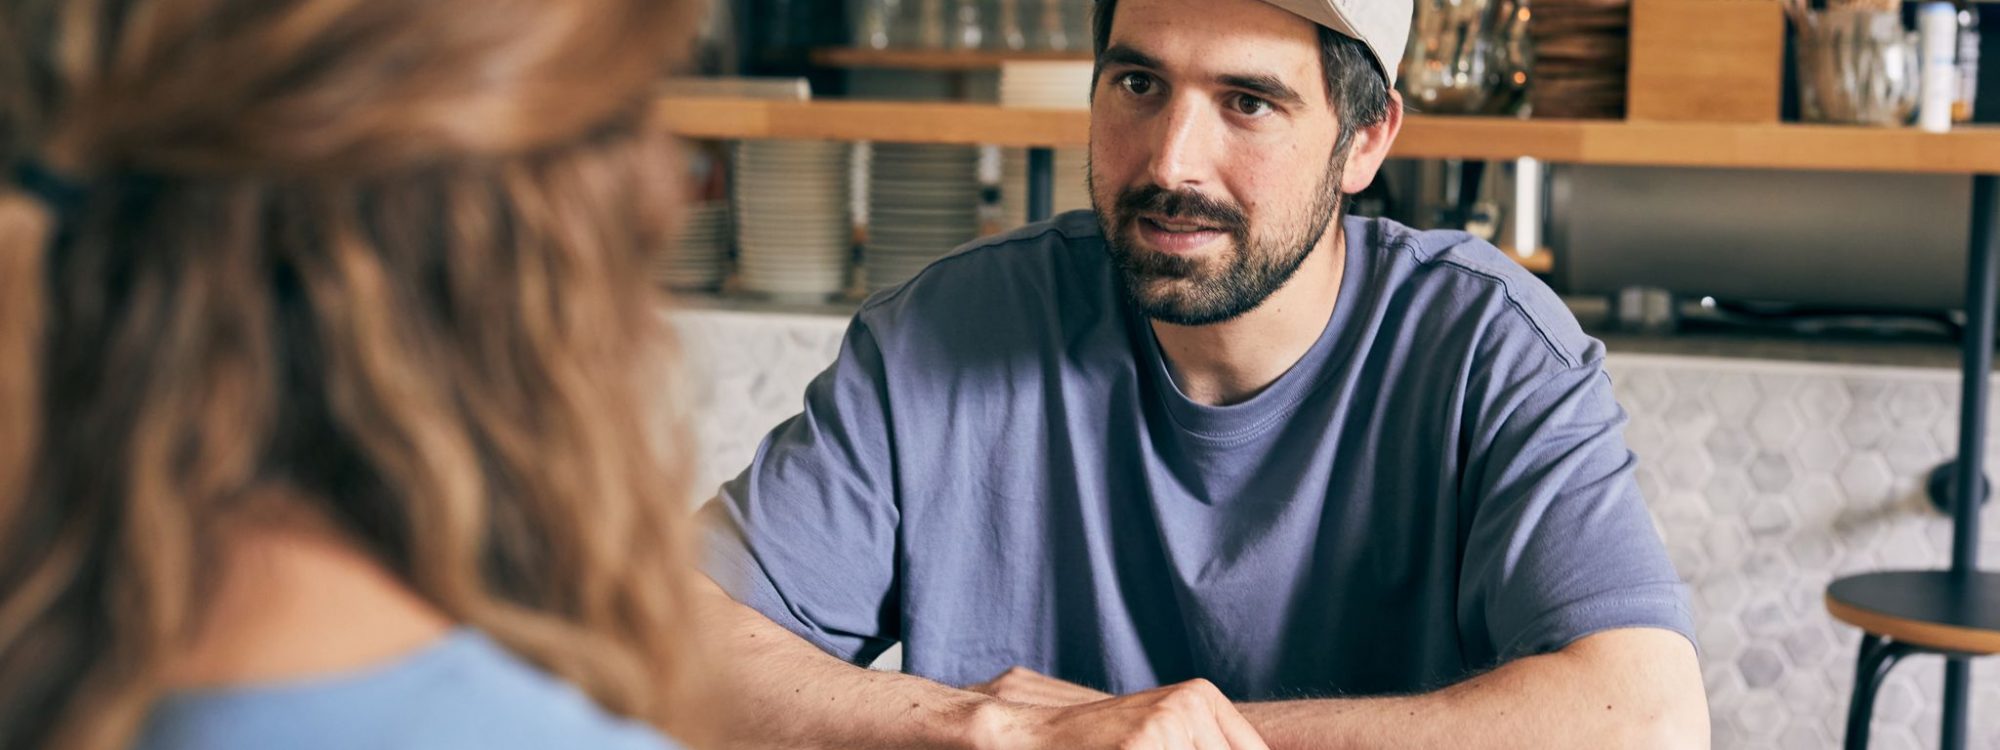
(465,691)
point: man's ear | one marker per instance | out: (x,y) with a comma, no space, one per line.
(1371,147)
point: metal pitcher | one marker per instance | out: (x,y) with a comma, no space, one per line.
(1466,56)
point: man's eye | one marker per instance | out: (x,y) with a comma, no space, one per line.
(1136,83)
(1252,106)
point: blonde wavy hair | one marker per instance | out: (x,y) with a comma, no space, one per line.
(381,258)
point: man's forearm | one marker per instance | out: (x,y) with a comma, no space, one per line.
(779,691)
(1614,693)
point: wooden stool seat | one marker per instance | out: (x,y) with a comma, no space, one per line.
(1928,608)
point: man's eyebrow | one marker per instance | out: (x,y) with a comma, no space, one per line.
(1264,85)
(1122,55)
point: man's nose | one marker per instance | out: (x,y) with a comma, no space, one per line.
(1184,138)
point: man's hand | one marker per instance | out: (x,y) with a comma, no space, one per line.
(1023,685)
(1188,716)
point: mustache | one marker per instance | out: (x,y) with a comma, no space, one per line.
(1181,206)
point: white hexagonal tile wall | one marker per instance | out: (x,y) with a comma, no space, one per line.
(1866,479)
(1730,448)
(1721,640)
(1810,646)
(1643,390)
(1914,404)
(1761,667)
(1865,424)
(1690,417)
(1770,517)
(1776,425)
(1815,550)
(1820,451)
(1804,737)
(1894,738)
(1729,493)
(1685,466)
(1771,472)
(1721,596)
(1727,542)
(1763,717)
(1734,396)
(1766,619)
(1822,401)
(1910,453)
(1897,702)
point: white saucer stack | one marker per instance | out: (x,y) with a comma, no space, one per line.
(923,201)
(699,256)
(794,218)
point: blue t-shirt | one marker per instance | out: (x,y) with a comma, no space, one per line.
(463,692)
(999,470)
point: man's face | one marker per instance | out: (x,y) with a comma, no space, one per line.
(1211,153)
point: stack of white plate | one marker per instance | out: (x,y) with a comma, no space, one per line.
(700,251)
(794,221)
(923,201)
(1049,84)
(1044,85)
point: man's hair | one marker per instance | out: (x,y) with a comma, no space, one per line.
(1355,84)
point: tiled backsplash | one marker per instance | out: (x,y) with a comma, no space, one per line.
(1768,480)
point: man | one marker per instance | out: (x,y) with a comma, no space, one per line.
(1257,472)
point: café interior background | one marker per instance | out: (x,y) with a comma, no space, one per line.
(1785,341)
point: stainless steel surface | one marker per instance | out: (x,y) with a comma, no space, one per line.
(1820,239)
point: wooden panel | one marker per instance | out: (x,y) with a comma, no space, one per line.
(1707,60)
(941,60)
(1966,150)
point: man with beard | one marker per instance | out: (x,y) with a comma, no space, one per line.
(1211,466)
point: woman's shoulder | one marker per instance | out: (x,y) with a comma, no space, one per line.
(465,691)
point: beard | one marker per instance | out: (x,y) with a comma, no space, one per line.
(1186,291)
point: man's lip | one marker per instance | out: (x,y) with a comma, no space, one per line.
(1162,222)
(1159,239)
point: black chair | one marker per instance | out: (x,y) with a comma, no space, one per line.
(1956,612)
(1916,612)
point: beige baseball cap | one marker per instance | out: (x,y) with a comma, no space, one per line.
(1383,25)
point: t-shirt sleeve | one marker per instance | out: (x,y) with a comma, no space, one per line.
(807,534)
(1560,545)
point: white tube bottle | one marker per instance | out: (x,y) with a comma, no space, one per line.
(1937,37)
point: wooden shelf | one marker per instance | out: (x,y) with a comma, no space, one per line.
(899,122)
(1542,260)
(932,60)
(1607,142)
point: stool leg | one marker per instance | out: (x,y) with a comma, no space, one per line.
(1877,657)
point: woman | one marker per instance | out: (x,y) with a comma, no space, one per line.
(323,326)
